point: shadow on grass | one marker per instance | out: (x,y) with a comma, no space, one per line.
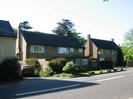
(33,87)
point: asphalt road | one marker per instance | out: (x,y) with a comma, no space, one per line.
(107,86)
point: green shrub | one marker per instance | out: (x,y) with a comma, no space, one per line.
(64,75)
(46,72)
(31,61)
(10,69)
(35,64)
(130,63)
(70,67)
(57,64)
(92,73)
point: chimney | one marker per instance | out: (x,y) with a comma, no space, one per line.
(89,42)
(112,39)
(88,37)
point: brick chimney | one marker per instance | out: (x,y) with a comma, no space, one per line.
(89,41)
(112,39)
(88,37)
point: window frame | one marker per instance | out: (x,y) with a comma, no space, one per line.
(63,50)
(37,49)
(72,50)
(80,50)
(101,51)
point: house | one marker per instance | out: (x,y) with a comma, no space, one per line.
(101,50)
(45,46)
(7,40)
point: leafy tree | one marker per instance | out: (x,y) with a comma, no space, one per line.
(15,30)
(128,46)
(24,25)
(128,53)
(105,0)
(65,28)
(120,59)
(81,39)
(129,38)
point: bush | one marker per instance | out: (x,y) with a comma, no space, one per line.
(92,73)
(64,75)
(10,69)
(130,63)
(35,65)
(57,64)
(31,62)
(70,67)
(46,72)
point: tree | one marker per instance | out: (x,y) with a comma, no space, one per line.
(128,46)
(129,38)
(105,0)
(65,28)
(81,39)
(120,59)
(24,25)
(15,30)
(128,53)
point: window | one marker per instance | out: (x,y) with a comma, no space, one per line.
(63,50)
(102,59)
(113,52)
(80,50)
(84,61)
(100,51)
(37,49)
(72,50)
(77,62)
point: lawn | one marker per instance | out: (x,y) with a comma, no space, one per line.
(82,74)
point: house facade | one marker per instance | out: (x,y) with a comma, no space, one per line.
(7,40)
(45,46)
(101,50)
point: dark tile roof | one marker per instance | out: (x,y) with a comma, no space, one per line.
(104,44)
(37,38)
(6,29)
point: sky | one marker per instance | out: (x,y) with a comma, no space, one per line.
(102,20)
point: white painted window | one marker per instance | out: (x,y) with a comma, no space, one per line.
(72,50)
(37,49)
(63,50)
(80,50)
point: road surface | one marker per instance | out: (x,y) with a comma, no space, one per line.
(117,85)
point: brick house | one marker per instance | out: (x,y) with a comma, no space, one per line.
(45,46)
(101,50)
(7,40)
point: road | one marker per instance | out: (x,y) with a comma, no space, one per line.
(106,86)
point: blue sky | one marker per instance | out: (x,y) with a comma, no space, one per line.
(103,20)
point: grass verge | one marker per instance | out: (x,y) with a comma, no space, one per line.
(82,74)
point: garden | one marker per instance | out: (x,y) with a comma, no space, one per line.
(66,68)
